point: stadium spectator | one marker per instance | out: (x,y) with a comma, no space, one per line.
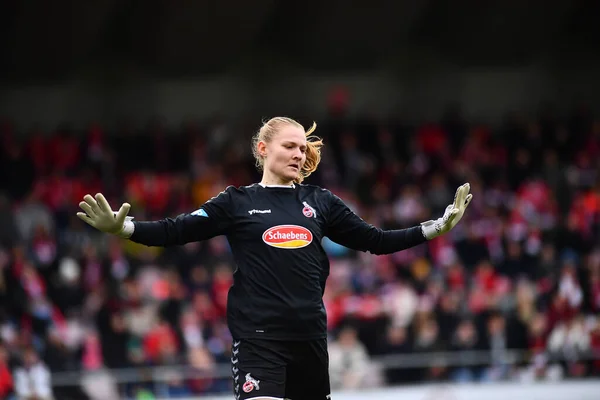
(350,367)
(6,379)
(32,379)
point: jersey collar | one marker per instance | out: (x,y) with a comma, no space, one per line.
(292,186)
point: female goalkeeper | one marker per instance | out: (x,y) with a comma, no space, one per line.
(275,309)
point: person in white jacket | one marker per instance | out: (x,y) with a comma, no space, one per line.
(349,363)
(570,339)
(32,380)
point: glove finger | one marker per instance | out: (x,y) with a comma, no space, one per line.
(453,214)
(468,200)
(463,193)
(457,196)
(92,203)
(88,209)
(447,212)
(84,217)
(123,211)
(103,203)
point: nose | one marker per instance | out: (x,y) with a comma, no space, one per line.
(297,155)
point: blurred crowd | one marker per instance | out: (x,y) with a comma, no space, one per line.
(520,272)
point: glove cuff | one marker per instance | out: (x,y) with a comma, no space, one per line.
(127,231)
(432,228)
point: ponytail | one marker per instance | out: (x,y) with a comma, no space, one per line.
(313,154)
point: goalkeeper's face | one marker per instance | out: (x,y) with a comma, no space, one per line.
(286,153)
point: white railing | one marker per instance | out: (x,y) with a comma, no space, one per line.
(396,361)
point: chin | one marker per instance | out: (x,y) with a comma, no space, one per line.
(290,177)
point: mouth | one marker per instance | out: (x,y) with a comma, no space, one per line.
(295,166)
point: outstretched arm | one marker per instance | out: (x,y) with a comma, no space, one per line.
(207,222)
(348,229)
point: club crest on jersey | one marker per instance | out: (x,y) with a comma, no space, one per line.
(250,384)
(308,211)
(288,236)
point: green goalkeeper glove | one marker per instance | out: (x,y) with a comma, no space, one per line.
(454,212)
(100,215)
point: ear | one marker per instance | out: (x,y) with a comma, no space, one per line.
(262,148)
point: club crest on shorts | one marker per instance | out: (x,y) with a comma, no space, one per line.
(250,384)
(308,211)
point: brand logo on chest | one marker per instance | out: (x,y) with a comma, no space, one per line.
(288,237)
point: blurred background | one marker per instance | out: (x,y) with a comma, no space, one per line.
(154,103)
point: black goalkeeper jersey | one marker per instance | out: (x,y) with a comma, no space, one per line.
(275,236)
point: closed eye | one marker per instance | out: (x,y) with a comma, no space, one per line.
(291,146)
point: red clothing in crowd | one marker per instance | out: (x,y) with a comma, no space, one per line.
(157,340)
(6,382)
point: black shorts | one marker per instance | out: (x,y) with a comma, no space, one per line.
(296,370)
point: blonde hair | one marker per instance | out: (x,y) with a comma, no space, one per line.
(313,144)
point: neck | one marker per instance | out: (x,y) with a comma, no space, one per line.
(268,180)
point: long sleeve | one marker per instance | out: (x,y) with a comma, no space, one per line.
(348,229)
(212,219)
